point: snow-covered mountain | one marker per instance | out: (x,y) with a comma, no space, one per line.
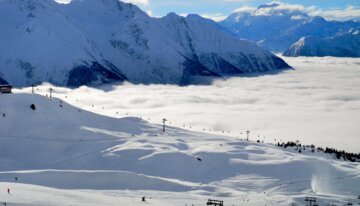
(276,26)
(342,45)
(92,42)
(66,147)
(3,81)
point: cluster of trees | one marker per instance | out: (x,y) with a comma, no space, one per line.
(353,157)
(339,154)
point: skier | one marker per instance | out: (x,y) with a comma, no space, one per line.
(8,190)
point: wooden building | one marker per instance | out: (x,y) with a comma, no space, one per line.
(5,89)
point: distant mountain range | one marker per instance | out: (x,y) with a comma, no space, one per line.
(276,27)
(341,45)
(93,42)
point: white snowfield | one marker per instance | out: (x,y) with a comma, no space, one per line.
(58,154)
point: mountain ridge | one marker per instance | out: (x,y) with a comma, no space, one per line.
(345,44)
(47,41)
(277,26)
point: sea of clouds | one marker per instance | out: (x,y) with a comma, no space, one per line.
(317,103)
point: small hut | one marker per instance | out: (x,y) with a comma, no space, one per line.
(5,88)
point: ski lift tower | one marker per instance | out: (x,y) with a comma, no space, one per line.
(51,91)
(311,200)
(164,120)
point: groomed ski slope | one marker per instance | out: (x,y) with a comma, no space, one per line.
(63,155)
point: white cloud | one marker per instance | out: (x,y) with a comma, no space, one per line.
(183,14)
(318,102)
(150,12)
(245,9)
(141,2)
(341,14)
(349,12)
(214,16)
(63,1)
(293,7)
(277,10)
(297,17)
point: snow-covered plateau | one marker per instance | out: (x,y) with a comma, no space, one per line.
(53,153)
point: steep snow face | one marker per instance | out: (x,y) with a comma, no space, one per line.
(92,42)
(276,27)
(342,45)
(42,43)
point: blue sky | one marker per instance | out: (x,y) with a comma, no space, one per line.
(217,9)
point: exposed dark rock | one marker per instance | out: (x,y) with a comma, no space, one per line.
(218,64)
(93,74)
(192,67)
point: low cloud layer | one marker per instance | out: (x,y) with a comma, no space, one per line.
(141,2)
(318,102)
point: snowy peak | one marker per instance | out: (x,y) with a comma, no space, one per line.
(280,9)
(106,7)
(276,26)
(93,42)
(273,9)
(270,5)
(343,44)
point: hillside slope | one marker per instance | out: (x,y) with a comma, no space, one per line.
(93,42)
(60,146)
